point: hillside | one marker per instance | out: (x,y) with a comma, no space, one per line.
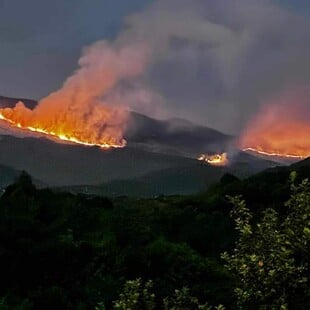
(176,180)
(302,163)
(174,136)
(62,164)
(265,189)
(170,181)
(160,159)
(64,251)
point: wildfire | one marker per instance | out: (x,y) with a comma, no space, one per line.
(63,132)
(261,152)
(82,111)
(66,137)
(281,128)
(215,159)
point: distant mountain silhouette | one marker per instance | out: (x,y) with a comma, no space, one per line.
(161,155)
(172,136)
(302,163)
(63,164)
(195,178)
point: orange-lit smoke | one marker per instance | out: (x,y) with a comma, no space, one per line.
(78,112)
(281,127)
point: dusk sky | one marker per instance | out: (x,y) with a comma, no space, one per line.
(41,42)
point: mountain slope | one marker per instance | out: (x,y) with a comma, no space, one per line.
(302,163)
(174,136)
(61,164)
(170,181)
(160,158)
(180,180)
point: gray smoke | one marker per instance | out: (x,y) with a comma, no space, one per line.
(214,62)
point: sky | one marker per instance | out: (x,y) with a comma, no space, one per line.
(208,58)
(41,40)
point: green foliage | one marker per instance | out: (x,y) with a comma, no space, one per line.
(271,258)
(182,300)
(65,251)
(139,296)
(136,296)
(17,304)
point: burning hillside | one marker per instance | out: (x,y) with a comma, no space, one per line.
(215,159)
(79,112)
(63,133)
(281,128)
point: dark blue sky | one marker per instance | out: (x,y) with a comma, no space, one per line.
(303,6)
(41,40)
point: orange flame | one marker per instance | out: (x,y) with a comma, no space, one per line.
(281,128)
(78,112)
(261,152)
(61,136)
(215,159)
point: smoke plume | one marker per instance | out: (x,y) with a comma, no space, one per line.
(218,62)
(282,125)
(78,110)
(214,62)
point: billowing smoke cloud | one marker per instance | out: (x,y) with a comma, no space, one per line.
(78,110)
(214,62)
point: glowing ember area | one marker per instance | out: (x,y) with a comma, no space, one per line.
(281,128)
(261,152)
(62,136)
(215,159)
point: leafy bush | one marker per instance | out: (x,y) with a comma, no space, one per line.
(271,258)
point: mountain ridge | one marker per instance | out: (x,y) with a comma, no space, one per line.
(156,149)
